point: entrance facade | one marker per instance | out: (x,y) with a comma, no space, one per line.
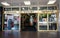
(31,18)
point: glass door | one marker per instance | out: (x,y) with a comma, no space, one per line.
(11,22)
(29,22)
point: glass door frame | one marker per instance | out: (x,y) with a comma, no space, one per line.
(31,13)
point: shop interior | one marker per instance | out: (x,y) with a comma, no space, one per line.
(29,22)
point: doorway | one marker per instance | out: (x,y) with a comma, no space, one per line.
(28,22)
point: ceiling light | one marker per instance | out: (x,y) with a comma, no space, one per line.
(5,3)
(51,1)
(27,2)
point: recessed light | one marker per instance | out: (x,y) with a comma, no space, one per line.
(27,2)
(5,3)
(51,1)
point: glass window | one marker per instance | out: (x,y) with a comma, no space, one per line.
(15,9)
(51,8)
(42,17)
(24,8)
(43,26)
(7,9)
(52,26)
(11,22)
(33,8)
(52,17)
(43,8)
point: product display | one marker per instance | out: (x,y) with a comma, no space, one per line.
(47,21)
(43,17)
(11,22)
(52,17)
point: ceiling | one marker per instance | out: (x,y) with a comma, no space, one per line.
(21,2)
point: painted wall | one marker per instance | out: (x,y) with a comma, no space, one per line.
(59,17)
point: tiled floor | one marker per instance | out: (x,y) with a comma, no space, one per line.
(29,34)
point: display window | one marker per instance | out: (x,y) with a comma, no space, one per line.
(11,22)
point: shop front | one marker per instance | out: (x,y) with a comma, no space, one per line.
(31,19)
